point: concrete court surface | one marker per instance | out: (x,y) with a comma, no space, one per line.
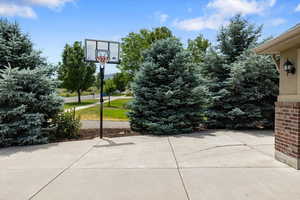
(209,165)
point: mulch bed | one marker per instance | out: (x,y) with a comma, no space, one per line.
(107,132)
(86,134)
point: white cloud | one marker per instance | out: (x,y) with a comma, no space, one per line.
(199,23)
(297,9)
(49,3)
(272,3)
(221,11)
(161,17)
(231,7)
(277,21)
(12,9)
(24,8)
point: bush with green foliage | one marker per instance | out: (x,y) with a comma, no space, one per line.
(67,126)
(168,94)
(28,99)
(16,48)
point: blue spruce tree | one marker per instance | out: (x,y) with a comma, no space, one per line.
(16,48)
(235,38)
(28,99)
(243,85)
(254,89)
(168,94)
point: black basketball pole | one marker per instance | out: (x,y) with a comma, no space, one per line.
(101,100)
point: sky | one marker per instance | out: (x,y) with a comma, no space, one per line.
(53,23)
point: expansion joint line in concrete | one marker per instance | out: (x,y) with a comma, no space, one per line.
(63,171)
(178,169)
(251,146)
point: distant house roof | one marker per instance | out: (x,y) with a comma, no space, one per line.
(287,40)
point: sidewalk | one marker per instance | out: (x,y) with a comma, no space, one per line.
(75,99)
(92,105)
(91,124)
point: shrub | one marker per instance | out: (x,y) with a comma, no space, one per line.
(168,94)
(67,126)
(28,100)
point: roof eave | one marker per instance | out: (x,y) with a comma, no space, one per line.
(284,41)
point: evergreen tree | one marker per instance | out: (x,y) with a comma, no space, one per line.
(28,100)
(234,38)
(134,44)
(16,48)
(216,74)
(168,94)
(76,74)
(253,92)
(239,35)
(198,48)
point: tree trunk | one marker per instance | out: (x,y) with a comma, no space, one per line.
(108,100)
(79,96)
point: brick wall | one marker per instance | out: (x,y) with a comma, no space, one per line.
(287,128)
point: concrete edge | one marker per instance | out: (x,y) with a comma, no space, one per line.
(293,162)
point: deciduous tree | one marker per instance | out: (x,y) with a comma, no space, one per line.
(121,81)
(198,48)
(134,44)
(109,88)
(76,74)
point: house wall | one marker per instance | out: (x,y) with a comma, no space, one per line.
(287,112)
(289,85)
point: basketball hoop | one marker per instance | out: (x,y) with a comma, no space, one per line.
(102,56)
(94,49)
(102,52)
(102,59)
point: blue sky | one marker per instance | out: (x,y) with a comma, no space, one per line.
(53,23)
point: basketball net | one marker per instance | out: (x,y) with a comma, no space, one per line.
(102,57)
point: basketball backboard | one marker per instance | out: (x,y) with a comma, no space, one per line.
(93,47)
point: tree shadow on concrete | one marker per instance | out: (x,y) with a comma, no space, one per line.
(111,143)
(215,132)
(27,149)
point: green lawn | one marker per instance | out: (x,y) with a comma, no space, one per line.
(119,103)
(117,111)
(83,103)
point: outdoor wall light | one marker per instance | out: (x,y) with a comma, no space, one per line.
(289,67)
